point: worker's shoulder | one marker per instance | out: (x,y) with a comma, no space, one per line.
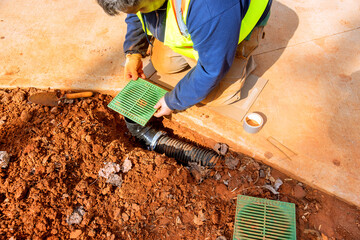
(201,11)
(215,7)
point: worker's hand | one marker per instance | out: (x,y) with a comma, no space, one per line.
(162,108)
(133,67)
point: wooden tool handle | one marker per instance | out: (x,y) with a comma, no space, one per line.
(78,95)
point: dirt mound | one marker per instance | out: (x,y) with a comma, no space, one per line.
(66,179)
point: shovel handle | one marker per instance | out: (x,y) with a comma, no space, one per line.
(78,95)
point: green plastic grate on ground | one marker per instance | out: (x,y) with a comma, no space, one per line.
(137,100)
(258,218)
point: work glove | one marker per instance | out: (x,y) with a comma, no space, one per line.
(133,67)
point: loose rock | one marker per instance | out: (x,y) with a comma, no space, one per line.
(200,218)
(127,165)
(125,217)
(217,176)
(231,162)
(277,184)
(91,233)
(261,173)
(4,159)
(25,116)
(21,190)
(299,192)
(178,220)
(19,97)
(115,180)
(75,234)
(109,169)
(221,148)
(77,216)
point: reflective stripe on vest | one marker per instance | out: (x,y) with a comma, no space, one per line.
(175,32)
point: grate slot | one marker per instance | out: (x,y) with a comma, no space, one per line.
(258,218)
(137,100)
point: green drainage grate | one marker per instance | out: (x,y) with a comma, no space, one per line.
(258,218)
(137,100)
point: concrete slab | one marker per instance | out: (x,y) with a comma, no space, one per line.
(311,57)
(60,44)
(296,22)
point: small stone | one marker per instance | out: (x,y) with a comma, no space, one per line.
(221,148)
(299,192)
(231,162)
(68,101)
(25,116)
(256,165)
(91,233)
(127,165)
(117,213)
(178,220)
(200,219)
(77,216)
(278,184)
(4,159)
(135,207)
(125,217)
(261,173)
(196,174)
(21,191)
(54,110)
(75,234)
(109,169)
(6,98)
(88,138)
(19,97)
(65,195)
(217,176)
(197,221)
(115,180)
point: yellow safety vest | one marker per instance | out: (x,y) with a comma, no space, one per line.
(182,43)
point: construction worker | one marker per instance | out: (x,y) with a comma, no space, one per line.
(205,36)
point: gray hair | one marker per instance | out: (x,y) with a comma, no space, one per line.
(114,7)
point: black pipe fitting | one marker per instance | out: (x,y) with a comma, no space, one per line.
(147,135)
(183,152)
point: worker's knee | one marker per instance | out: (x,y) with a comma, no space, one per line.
(165,60)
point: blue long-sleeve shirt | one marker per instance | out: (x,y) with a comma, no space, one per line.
(214,26)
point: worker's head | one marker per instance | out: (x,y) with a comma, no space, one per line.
(113,7)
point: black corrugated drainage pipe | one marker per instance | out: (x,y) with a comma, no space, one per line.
(183,152)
